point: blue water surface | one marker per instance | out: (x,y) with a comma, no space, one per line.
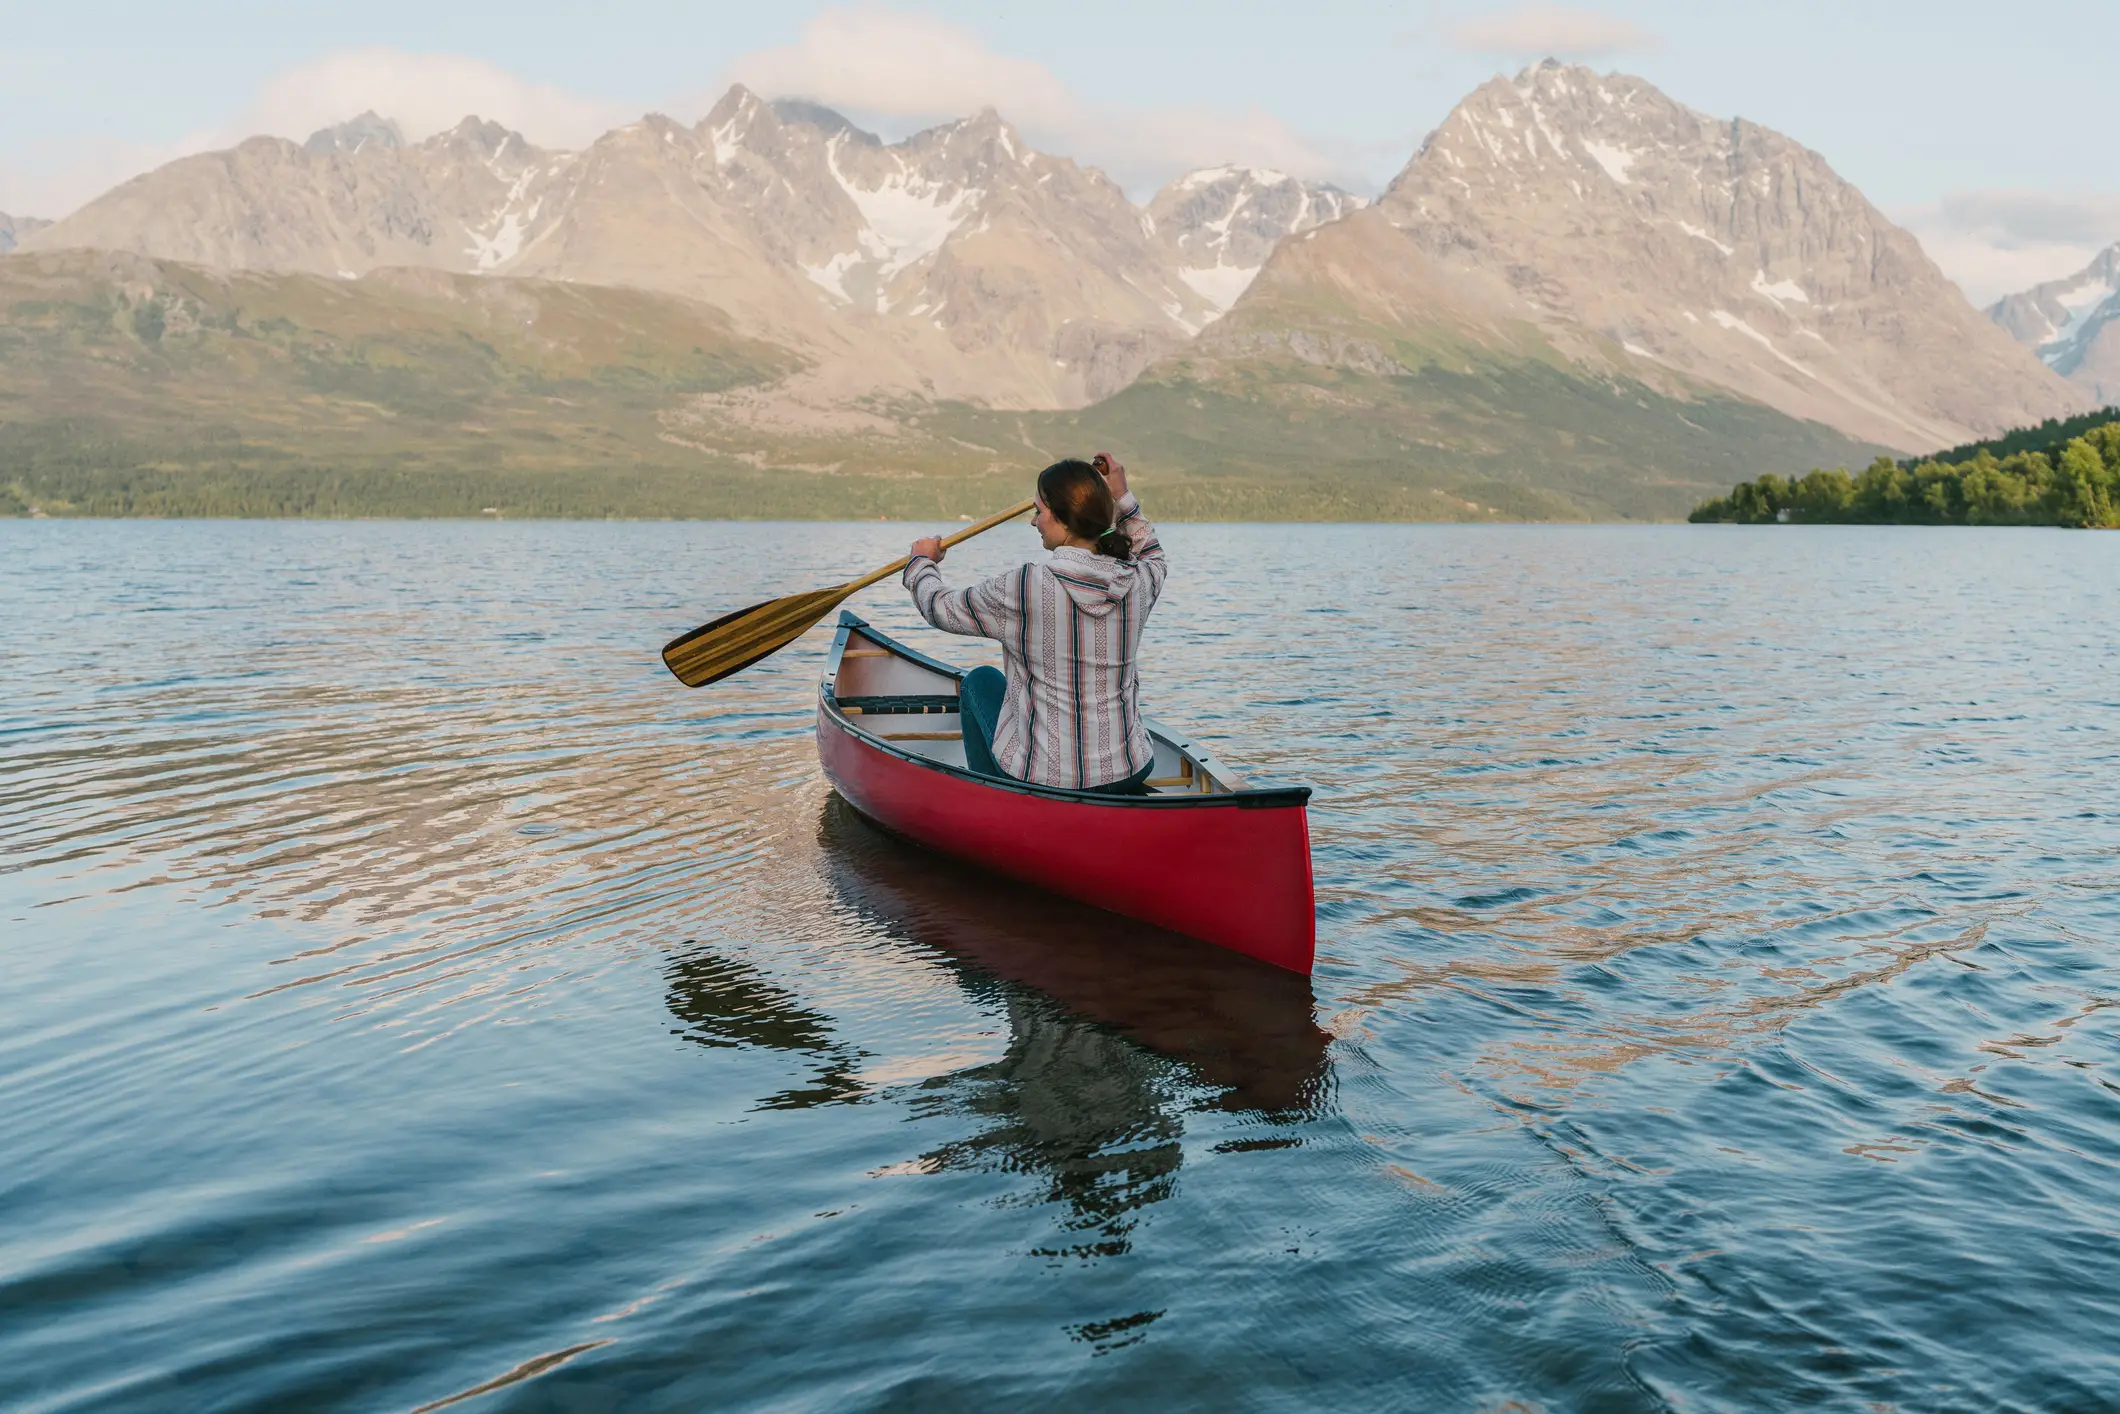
(411,997)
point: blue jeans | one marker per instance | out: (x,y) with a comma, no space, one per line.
(979,708)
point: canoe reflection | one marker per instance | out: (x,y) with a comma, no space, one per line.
(1237,1025)
(1114,1028)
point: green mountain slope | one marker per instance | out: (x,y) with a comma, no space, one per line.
(132,386)
(1354,360)
(135,386)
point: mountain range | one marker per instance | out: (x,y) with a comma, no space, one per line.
(958,264)
(1579,297)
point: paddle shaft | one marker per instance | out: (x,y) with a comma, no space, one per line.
(898,565)
(735,641)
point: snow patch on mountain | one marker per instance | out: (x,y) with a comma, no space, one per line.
(1615,160)
(491,249)
(2075,305)
(1780,292)
(906,222)
(1219,224)
(1736,325)
(1220,285)
(1700,235)
(2073,325)
(725,138)
(831,277)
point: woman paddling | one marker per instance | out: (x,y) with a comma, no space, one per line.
(1068,712)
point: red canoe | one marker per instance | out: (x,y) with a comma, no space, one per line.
(1202,854)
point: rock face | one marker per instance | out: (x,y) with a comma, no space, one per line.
(344,203)
(1639,239)
(368,130)
(1001,273)
(2073,325)
(1219,224)
(959,263)
(13,228)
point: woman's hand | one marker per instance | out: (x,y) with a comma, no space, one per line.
(1114,474)
(930,546)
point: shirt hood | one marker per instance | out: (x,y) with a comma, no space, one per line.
(1096,583)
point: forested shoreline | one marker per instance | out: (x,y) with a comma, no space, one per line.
(2062,473)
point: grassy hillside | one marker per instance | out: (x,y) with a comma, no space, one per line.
(1501,439)
(1491,437)
(138,387)
(130,386)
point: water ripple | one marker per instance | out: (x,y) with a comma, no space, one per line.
(414,998)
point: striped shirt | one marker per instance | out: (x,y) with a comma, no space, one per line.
(1069,630)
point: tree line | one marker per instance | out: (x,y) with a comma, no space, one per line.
(2071,481)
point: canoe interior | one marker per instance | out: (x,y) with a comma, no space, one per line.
(891,693)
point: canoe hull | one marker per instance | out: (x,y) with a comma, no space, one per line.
(1232,870)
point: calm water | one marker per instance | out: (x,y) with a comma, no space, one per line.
(410,996)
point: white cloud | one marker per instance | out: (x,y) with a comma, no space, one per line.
(425,93)
(898,65)
(880,64)
(1539,31)
(1995,243)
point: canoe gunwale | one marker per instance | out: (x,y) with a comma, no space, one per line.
(1248,798)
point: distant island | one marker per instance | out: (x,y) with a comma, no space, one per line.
(2063,472)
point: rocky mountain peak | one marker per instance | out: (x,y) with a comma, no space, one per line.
(729,122)
(480,138)
(993,263)
(1560,122)
(2073,325)
(1711,248)
(829,121)
(1219,224)
(987,122)
(2053,315)
(369,130)
(983,144)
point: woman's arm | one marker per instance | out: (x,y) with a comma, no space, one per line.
(1148,548)
(984,610)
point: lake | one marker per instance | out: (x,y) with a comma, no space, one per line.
(410,997)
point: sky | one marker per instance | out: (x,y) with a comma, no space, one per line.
(1984,128)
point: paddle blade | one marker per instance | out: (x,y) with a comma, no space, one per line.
(735,641)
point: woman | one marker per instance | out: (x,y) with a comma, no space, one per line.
(1068,711)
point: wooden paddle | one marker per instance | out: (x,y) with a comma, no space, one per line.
(735,641)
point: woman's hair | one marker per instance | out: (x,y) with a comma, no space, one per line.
(1078,498)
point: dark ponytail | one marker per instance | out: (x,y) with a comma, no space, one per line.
(1078,498)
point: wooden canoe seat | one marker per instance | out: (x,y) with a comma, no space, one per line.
(890,704)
